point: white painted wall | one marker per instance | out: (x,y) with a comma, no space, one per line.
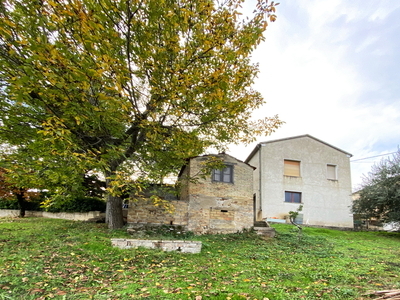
(325,202)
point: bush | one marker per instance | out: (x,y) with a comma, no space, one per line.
(32,204)
(82,204)
(8,204)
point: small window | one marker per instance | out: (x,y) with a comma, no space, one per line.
(224,175)
(293,197)
(331,172)
(291,168)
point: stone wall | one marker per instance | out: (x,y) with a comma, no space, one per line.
(143,211)
(184,183)
(220,207)
(165,245)
(76,216)
(205,206)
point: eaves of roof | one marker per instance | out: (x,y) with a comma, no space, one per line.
(206,155)
(291,138)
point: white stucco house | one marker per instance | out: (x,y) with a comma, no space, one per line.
(302,170)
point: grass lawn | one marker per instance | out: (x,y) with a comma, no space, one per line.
(59,259)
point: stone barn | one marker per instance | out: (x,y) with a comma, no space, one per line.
(219,203)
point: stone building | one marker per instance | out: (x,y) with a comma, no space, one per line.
(219,203)
(302,170)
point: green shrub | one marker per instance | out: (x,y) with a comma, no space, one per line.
(8,204)
(81,204)
(32,204)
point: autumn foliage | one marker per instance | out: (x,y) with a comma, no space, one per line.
(124,87)
(10,191)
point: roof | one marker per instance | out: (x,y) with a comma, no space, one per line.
(206,155)
(292,138)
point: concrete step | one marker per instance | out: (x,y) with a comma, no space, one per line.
(260,224)
(268,232)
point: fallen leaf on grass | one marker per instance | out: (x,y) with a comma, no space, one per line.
(61,293)
(177,290)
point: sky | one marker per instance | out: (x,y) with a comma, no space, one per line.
(331,69)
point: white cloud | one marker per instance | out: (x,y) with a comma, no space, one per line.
(382,10)
(369,41)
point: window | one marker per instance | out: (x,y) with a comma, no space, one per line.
(224,175)
(293,197)
(291,168)
(331,172)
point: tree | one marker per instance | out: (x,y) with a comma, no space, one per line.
(129,86)
(8,191)
(292,218)
(93,186)
(379,197)
(31,166)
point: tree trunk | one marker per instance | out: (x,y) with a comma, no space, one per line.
(114,212)
(114,216)
(21,202)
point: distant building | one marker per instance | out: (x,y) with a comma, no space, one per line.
(302,170)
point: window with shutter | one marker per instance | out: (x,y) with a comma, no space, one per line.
(291,168)
(331,172)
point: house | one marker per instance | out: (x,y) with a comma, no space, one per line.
(302,170)
(221,202)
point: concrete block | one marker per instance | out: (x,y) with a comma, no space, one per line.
(265,231)
(165,245)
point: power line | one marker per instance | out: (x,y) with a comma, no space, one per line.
(373,156)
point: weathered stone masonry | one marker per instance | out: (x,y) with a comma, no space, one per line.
(205,206)
(144,212)
(220,207)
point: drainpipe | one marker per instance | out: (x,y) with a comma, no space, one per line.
(260,175)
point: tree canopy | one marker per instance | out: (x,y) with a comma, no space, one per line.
(135,85)
(379,197)
(19,193)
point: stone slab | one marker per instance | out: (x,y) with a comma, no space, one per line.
(165,245)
